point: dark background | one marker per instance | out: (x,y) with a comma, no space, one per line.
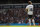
(17,1)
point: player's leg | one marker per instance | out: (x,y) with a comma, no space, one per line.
(29,20)
(33,21)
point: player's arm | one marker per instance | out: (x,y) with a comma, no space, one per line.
(26,9)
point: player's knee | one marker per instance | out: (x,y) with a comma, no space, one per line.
(32,20)
(29,19)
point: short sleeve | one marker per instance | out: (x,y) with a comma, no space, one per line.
(26,7)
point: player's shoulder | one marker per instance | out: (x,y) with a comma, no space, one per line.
(30,5)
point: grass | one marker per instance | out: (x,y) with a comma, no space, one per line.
(19,26)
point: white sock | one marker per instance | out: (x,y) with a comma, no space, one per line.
(30,21)
(33,21)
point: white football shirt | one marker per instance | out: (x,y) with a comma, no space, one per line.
(30,9)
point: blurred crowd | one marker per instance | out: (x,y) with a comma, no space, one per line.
(16,16)
(12,16)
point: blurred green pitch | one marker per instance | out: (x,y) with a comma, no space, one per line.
(19,26)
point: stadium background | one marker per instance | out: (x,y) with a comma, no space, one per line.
(13,11)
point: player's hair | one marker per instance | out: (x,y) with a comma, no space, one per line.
(29,2)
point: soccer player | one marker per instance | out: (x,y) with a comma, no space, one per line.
(29,10)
